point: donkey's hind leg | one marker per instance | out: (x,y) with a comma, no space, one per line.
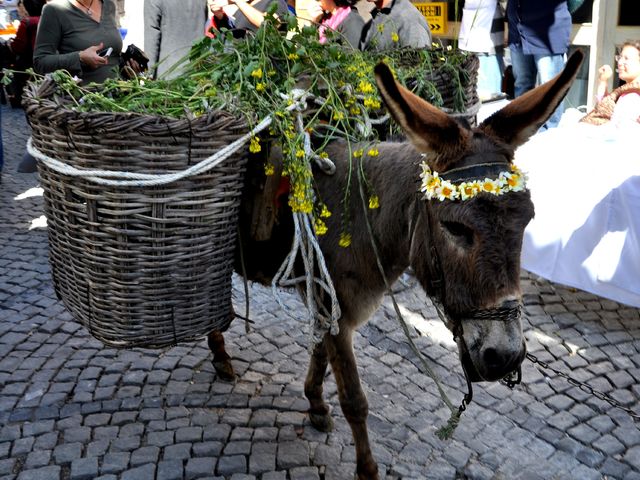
(318,410)
(221,359)
(352,399)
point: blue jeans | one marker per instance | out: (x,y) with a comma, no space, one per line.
(532,70)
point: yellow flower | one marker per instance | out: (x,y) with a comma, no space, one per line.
(325,213)
(323,155)
(358,153)
(354,110)
(345,240)
(299,153)
(254,146)
(373,152)
(293,56)
(374,202)
(394,37)
(257,73)
(271,73)
(269,169)
(261,87)
(365,87)
(371,102)
(337,116)
(320,227)
(381,27)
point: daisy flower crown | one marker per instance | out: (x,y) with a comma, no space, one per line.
(434,186)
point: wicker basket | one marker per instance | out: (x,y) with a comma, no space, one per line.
(456,87)
(143,266)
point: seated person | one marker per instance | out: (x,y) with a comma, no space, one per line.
(622,105)
(395,24)
(340,16)
(249,15)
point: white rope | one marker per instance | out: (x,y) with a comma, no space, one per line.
(306,245)
(132,179)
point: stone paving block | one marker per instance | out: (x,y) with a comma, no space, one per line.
(282,475)
(97,448)
(292,454)
(7,465)
(145,455)
(84,469)
(143,472)
(228,465)
(180,451)
(39,458)
(44,473)
(262,462)
(632,457)
(114,463)
(67,452)
(207,449)
(170,470)
(200,467)
(189,434)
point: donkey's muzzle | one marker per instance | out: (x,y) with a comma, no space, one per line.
(492,344)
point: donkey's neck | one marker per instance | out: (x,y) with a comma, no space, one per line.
(393,176)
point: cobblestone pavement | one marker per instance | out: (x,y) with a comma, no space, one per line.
(70,408)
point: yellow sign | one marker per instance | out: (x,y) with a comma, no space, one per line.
(436,15)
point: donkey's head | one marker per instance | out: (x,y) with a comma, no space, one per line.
(469,221)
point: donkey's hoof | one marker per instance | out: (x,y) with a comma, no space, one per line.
(367,472)
(321,421)
(224,369)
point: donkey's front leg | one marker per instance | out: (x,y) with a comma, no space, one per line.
(318,410)
(352,399)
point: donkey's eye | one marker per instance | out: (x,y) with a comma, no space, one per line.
(460,232)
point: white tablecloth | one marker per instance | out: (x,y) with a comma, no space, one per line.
(585,184)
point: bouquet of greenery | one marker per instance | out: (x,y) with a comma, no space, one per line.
(256,76)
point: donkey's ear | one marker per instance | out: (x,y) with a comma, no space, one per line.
(429,129)
(521,118)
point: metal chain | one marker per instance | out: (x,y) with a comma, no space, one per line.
(583,386)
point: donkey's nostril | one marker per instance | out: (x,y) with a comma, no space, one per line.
(492,358)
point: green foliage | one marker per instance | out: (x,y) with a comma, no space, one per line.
(255,77)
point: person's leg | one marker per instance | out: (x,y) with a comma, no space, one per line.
(524,71)
(548,67)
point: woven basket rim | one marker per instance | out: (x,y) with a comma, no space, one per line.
(43,93)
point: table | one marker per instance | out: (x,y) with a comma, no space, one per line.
(585,185)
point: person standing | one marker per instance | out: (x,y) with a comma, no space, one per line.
(482,32)
(339,20)
(22,46)
(70,35)
(395,24)
(539,34)
(170,28)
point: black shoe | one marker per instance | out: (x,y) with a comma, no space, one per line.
(28,164)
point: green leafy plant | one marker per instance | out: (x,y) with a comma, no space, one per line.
(255,77)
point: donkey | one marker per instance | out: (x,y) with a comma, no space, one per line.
(465,253)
